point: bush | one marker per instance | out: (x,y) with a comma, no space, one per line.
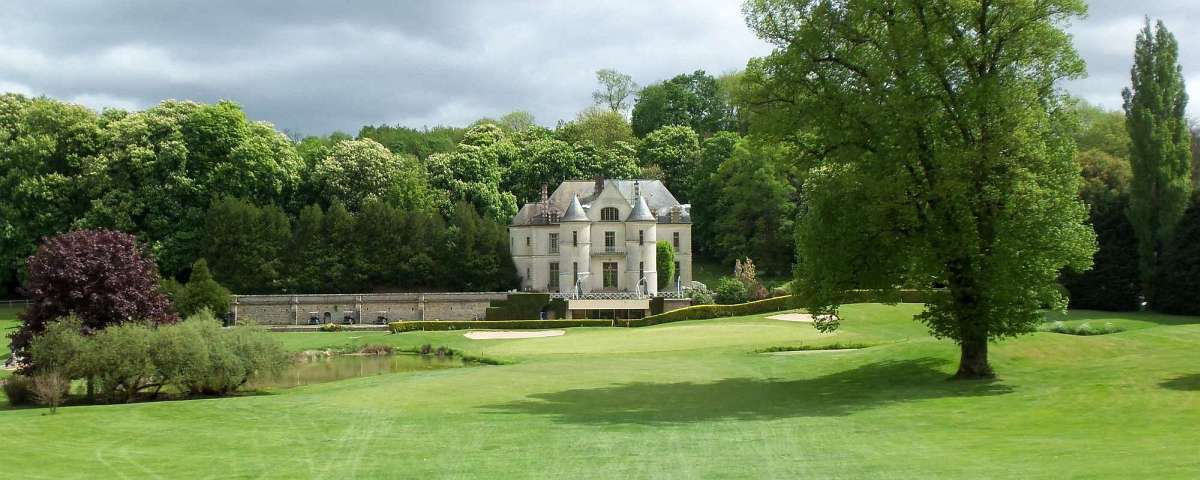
(700,295)
(518,306)
(330,327)
(731,291)
(195,356)
(809,348)
(411,326)
(201,292)
(746,273)
(1084,329)
(19,390)
(50,388)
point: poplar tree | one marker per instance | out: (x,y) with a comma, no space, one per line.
(1160,151)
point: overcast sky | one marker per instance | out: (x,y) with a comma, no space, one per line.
(317,66)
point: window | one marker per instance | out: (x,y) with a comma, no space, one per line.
(675,240)
(641,237)
(610,214)
(553,284)
(574,274)
(642,270)
(610,242)
(678,273)
(610,274)
(527,242)
(553,243)
(575,239)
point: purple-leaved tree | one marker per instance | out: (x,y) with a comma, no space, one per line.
(100,276)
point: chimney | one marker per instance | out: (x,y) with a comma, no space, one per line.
(545,194)
(599,184)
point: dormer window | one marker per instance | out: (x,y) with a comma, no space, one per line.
(610,214)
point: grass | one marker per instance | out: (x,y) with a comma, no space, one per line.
(680,400)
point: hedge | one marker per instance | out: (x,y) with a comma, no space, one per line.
(701,312)
(518,306)
(412,326)
(775,304)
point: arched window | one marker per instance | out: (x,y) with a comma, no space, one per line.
(610,214)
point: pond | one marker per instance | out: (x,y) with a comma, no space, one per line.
(323,369)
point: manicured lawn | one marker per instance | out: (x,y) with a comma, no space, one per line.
(684,400)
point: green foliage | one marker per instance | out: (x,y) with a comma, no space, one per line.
(1112,283)
(414,326)
(421,144)
(356,172)
(700,296)
(244,244)
(1179,272)
(703,312)
(330,327)
(730,290)
(1155,116)
(518,306)
(754,208)
(615,90)
(1084,329)
(194,356)
(675,149)
(602,128)
(474,171)
(201,292)
(939,155)
(19,390)
(665,264)
(694,100)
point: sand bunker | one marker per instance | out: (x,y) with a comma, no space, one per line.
(793,317)
(499,334)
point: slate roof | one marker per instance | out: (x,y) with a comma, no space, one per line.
(659,200)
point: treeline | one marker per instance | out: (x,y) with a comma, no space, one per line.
(155,173)
(382,248)
(1114,281)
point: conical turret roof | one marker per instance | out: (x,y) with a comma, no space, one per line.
(574,212)
(641,211)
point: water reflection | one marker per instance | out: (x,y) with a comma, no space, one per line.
(337,367)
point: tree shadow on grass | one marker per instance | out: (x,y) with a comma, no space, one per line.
(1187,383)
(841,393)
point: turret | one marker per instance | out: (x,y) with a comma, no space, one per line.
(575,251)
(641,237)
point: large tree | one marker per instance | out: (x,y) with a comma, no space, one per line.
(676,150)
(940,157)
(615,90)
(357,171)
(694,100)
(1155,105)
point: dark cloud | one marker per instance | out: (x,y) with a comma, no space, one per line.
(316,66)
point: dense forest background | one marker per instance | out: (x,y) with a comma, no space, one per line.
(399,208)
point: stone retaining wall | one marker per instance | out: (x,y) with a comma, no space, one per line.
(362,308)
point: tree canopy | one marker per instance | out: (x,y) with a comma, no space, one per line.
(938,156)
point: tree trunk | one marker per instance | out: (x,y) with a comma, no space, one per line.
(974,362)
(91,389)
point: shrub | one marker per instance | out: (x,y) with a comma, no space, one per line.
(19,390)
(665,264)
(50,388)
(376,350)
(702,312)
(730,291)
(809,348)
(1084,329)
(330,327)
(201,292)
(119,359)
(411,326)
(700,295)
(745,272)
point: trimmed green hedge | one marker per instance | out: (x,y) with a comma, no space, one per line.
(518,306)
(701,312)
(412,326)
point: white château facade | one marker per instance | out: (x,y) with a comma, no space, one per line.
(600,236)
